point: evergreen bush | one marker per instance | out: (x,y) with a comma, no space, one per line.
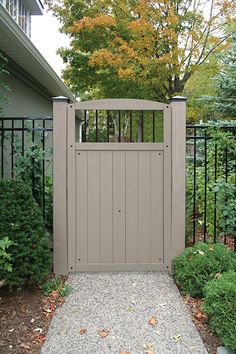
(201,263)
(22,222)
(220,306)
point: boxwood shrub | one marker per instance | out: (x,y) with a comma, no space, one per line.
(220,306)
(22,222)
(201,263)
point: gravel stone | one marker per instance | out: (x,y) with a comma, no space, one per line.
(122,303)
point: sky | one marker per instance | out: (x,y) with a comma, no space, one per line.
(46,37)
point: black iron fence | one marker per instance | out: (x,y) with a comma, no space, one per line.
(211,183)
(26,153)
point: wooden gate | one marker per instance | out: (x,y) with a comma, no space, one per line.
(118,205)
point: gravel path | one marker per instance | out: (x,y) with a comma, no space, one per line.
(122,303)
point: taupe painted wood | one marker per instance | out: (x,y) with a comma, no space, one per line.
(118,197)
(178,107)
(81,211)
(120,104)
(119,206)
(106,207)
(94,210)
(71,186)
(60,186)
(120,146)
(167,189)
(132,207)
(157,214)
(144,193)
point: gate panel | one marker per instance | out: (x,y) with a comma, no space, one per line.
(119,209)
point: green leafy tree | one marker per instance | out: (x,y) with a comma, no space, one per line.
(225,103)
(139,48)
(202,83)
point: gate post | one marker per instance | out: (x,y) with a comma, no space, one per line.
(178,108)
(60,108)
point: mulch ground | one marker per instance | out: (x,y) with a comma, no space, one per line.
(24,319)
(200,320)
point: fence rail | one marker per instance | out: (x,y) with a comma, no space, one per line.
(211,171)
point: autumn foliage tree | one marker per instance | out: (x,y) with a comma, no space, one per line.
(139,48)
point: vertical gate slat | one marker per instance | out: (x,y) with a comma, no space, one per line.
(81,206)
(106,207)
(144,206)
(157,195)
(119,206)
(94,218)
(131,207)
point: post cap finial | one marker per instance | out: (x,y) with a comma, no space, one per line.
(178,99)
(60,99)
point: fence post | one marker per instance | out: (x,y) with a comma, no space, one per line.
(60,108)
(178,108)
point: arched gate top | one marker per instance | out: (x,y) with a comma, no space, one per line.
(121,104)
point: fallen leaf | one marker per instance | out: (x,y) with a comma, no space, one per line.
(41,338)
(25,346)
(177,338)
(152,321)
(124,353)
(148,346)
(130,309)
(103,333)
(38,329)
(199,315)
(149,352)
(54,294)
(82,331)
(52,307)
(11,330)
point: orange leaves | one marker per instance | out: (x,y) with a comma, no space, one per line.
(89,23)
(152,321)
(103,333)
(82,331)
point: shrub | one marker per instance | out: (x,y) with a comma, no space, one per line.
(201,263)
(220,306)
(21,220)
(58,285)
(5,257)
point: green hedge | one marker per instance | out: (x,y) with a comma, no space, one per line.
(201,263)
(22,222)
(220,306)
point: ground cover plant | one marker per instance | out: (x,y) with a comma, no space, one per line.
(220,306)
(201,263)
(22,222)
(56,285)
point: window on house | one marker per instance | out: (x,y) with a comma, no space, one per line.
(19,12)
